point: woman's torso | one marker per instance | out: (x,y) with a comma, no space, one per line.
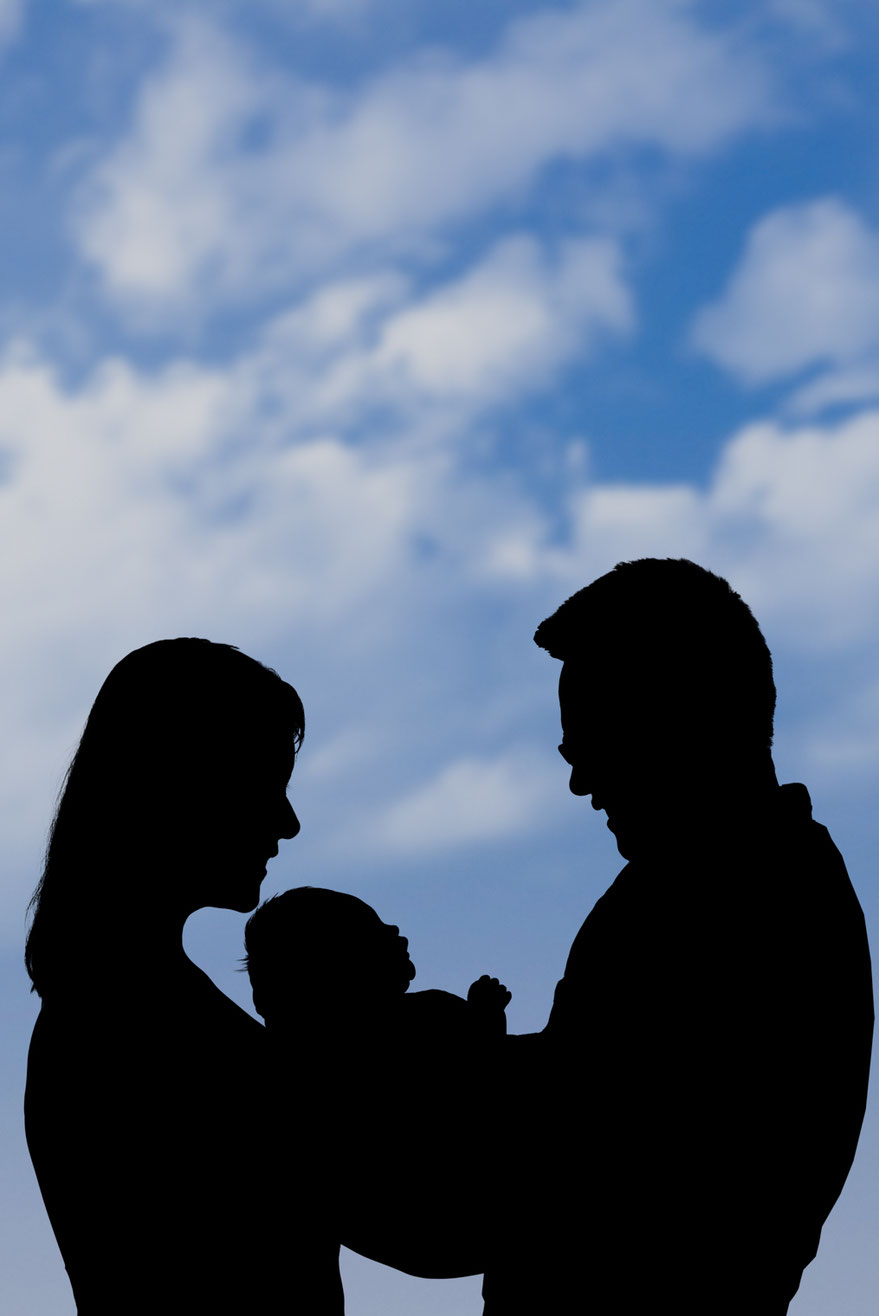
(147,1124)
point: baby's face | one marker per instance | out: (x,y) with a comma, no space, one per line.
(374,956)
(342,962)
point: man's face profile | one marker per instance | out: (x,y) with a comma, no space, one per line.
(621,753)
(588,744)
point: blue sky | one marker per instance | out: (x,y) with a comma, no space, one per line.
(360,333)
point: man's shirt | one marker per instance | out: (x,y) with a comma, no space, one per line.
(692,1108)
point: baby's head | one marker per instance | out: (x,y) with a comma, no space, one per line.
(311,951)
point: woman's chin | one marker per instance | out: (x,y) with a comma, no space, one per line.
(243,898)
(249,901)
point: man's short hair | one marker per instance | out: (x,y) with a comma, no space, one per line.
(673,629)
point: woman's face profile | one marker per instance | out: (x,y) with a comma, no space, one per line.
(241,813)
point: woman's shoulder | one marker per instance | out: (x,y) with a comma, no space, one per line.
(65,1032)
(182,1015)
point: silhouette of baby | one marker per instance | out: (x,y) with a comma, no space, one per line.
(373,1066)
(324,967)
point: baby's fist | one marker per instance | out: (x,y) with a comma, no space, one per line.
(489,994)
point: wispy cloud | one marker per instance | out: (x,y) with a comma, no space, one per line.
(472,800)
(788,515)
(236,177)
(11,15)
(497,332)
(354,351)
(845,741)
(804,294)
(138,504)
(818,19)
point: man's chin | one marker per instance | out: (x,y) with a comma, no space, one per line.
(623,838)
(651,837)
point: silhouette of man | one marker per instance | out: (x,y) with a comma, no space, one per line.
(686,1120)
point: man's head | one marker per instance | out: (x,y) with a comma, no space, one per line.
(666,694)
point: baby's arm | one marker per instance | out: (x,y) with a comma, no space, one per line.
(487,999)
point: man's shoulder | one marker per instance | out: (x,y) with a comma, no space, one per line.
(816,891)
(802,856)
(635,888)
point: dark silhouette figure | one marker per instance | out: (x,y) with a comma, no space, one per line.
(147,1088)
(683,1125)
(397,1081)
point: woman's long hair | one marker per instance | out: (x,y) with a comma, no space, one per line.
(166,717)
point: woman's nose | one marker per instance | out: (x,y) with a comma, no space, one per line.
(290,823)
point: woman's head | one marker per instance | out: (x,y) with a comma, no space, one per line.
(175,798)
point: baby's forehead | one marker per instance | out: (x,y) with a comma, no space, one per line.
(361,905)
(340,907)
(307,912)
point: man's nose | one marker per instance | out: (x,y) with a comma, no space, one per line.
(579,784)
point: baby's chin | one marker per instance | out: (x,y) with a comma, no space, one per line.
(406,975)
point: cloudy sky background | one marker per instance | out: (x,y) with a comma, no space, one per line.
(360,333)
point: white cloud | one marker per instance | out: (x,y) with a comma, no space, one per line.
(155,210)
(495,333)
(816,18)
(842,386)
(790,517)
(235,179)
(848,746)
(805,293)
(339,9)
(144,483)
(628,520)
(240,505)
(472,800)
(130,511)
(801,511)
(516,315)
(11,13)
(229,503)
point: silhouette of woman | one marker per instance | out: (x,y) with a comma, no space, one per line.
(146,1097)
